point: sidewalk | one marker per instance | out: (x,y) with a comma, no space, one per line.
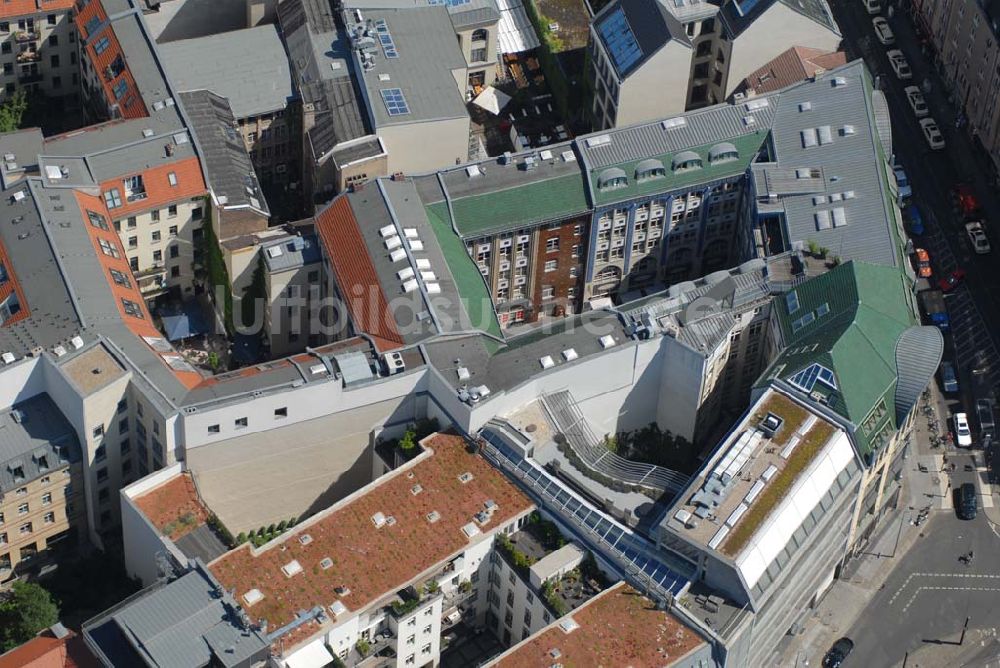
(863,577)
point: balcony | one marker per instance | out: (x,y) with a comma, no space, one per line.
(25,36)
(152,281)
(31,77)
(28,57)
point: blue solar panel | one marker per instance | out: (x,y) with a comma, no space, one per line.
(395,103)
(620,41)
(744,6)
(385,39)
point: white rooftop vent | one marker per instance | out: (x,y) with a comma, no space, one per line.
(718,537)
(819,199)
(569,354)
(378,519)
(416,489)
(404,274)
(769,473)
(805,106)
(397,255)
(252,596)
(547,362)
(607,341)
(825,133)
(326,563)
(338,608)
(568,156)
(599,140)
(839,81)
(470,530)
(428,276)
(336,65)
(59,351)
(433,516)
(19,195)
(677,122)
(759,103)
(568,624)
(274,251)
(809,138)
(847,130)
(463,373)
(416,245)
(545,155)
(147,132)
(411,233)
(433,288)
(9,157)
(555,653)
(76,342)
(682,516)
(293,567)
(423,263)
(823,220)
(410,285)
(473,170)
(305,539)
(749,120)
(387,231)
(8,358)
(465,478)
(317,369)
(839,217)
(393,242)
(53,172)
(181,138)
(383,77)
(849,194)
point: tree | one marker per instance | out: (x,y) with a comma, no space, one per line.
(27,610)
(409,440)
(12,111)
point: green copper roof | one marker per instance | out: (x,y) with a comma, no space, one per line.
(746,145)
(868,310)
(511,208)
(469,281)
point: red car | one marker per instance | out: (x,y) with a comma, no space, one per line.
(952,280)
(965,200)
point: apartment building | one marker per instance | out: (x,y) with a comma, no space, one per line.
(41,487)
(251,70)
(649,55)
(963,37)
(38,50)
(292,268)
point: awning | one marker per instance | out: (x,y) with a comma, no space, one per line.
(492,100)
(189,322)
(516,34)
(314,655)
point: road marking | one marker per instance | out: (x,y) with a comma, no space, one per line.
(920,589)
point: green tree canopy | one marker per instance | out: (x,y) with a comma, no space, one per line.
(12,111)
(26,610)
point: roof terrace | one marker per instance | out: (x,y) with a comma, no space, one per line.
(778,442)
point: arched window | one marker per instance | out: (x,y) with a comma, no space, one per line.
(723,152)
(649,169)
(481,35)
(612,178)
(686,160)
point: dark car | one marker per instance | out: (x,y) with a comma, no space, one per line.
(967,502)
(916,220)
(841,649)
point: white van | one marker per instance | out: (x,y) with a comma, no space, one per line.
(873,6)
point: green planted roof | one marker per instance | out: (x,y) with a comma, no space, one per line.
(856,339)
(469,281)
(746,145)
(517,206)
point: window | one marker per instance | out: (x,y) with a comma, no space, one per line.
(213,429)
(133,263)
(175,272)
(102,475)
(101,45)
(4,26)
(478,55)
(3,539)
(123,426)
(172,178)
(174,251)
(51,19)
(172,231)
(552,245)
(113,198)
(125,447)
(548,292)
(281,412)
(23,509)
(120,88)
(49,518)
(157,256)
(54,60)
(240,423)
(120,279)
(156,236)
(172,211)
(131,222)
(104,495)
(155,215)
(480,35)
(24,529)
(792,301)
(108,248)
(132,309)
(133,242)
(99,431)
(100,454)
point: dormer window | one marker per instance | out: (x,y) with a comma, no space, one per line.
(135,189)
(649,169)
(686,160)
(612,178)
(723,152)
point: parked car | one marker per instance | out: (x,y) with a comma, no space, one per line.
(968,504)
(984,413)
(932,133)
(899,65)
(836,655)
(922,262)
(952,280)
(949,380)
(883,32)
(916,220)
(965,202)
(963,435)
(977,237)
(872,6)
(903,187)
(917,102)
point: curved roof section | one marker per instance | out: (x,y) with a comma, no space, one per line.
(722,150)
(685,157)
(610,175)
(648,165)
(918,354)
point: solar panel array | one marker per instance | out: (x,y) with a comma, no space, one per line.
(395,103)
(385,39)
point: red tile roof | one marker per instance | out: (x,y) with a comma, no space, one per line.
(131,104)
(47,651)
(355,273)
(796,64)
(12,8)
(618,627)
(371,561)
(159,192)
